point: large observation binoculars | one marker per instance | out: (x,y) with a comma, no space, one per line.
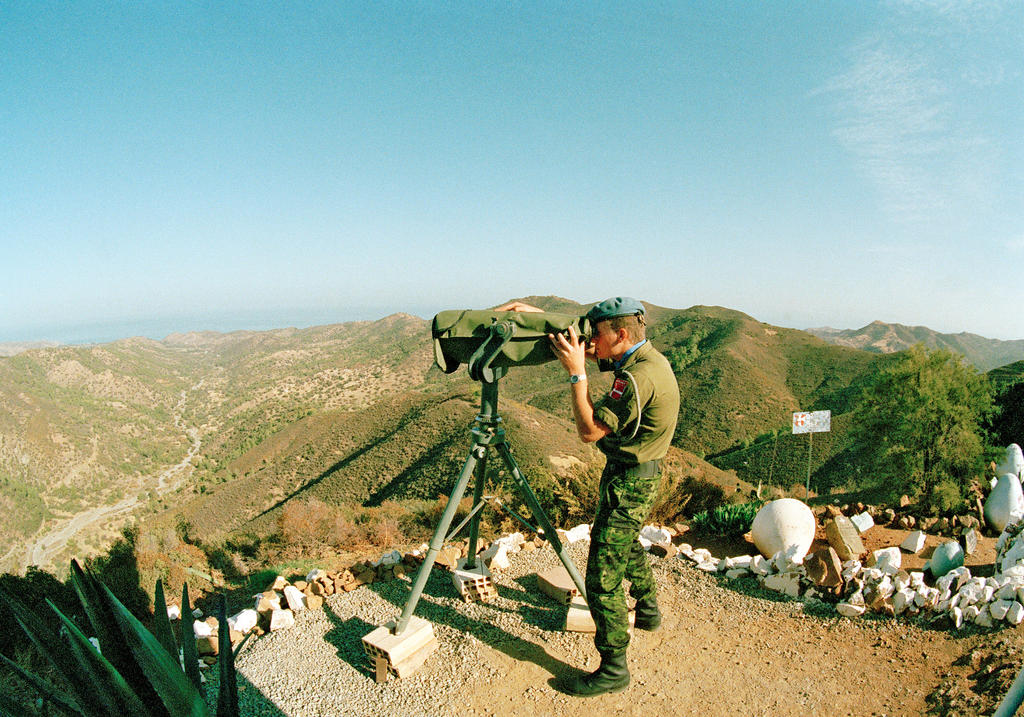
(496,340)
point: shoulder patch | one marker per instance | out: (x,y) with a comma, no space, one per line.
(618,388)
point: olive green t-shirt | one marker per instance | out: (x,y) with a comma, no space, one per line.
(641,408)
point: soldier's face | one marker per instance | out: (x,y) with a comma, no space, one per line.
(604,342)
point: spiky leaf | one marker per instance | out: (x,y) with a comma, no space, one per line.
(162,624)
(188,641)
(227,696)
(177,693)
(61,699)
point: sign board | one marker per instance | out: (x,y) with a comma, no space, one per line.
(812,422)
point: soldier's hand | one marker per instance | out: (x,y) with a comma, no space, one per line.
(570,352)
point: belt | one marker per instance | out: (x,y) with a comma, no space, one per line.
(641,470)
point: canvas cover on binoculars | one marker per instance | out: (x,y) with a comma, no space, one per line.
(458,335)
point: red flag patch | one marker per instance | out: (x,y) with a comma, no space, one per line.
(618,388)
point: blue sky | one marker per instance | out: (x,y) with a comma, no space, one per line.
(205,165)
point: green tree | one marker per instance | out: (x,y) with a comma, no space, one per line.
(920,419)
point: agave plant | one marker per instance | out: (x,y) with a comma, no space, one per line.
(727,520)
(134,671)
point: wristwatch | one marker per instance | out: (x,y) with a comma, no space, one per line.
(577,377)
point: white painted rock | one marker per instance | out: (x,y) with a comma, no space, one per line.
(243,621)
(886,559)
(651,534)
(296,600)
(1013,462)
(1015,613)
(914,542)
(782,524)
(173,612)
(316,574)
(392,558)
(513,543)
(202,629)
(1005,504)
(862,521)
(788,583)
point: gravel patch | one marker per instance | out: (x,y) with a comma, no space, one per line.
(318,667)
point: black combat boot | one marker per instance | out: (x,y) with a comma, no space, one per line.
(647,616)
(611,676)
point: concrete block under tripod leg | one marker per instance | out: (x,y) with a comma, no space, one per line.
(579,619)
(475,583)
(401,654)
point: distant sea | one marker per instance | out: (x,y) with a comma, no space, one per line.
(158,328)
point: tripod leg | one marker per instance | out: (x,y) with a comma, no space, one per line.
(476,453)
(541,517)
(474,526)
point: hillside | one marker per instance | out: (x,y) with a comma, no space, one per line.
(881,337)
(223,430)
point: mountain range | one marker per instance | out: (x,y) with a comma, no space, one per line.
(222,430)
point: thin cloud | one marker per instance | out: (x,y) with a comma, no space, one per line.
(899,110)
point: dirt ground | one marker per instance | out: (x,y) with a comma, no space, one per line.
(730,648)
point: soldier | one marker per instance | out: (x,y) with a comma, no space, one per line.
(633,425)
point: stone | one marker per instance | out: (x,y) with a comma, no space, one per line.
(580,532)
(901,599)
(448,557)
(267,601)
(279,583)
(887,517)
(663,550)
(207,646)
(1005,504)
(513,543)
(984,619)
(947,556)
(760,565)
(843,536)
(735,573)
(914,542)
(849,610)
(885,559)
(296,600)
(999,608)
(1015,613)
(863,522)
(316,574)
(788,583)
(651,534)
(173,612)
(314,602)
(496,556)
(783,524)
(904,500)
(281,619)
(970,541)
(244,621)
(824,568)
(202,629)
(958,617)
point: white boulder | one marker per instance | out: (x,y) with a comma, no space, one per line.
(783,524)
(1005,504)
(651,534)
(496,556)
(173,612)
(849,610)
(1015,613)
(1013,462)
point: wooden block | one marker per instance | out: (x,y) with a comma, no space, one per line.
(398,648)
(578,618)
(556,584)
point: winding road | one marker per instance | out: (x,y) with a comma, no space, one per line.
(45,547)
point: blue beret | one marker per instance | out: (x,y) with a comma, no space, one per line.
(616,306)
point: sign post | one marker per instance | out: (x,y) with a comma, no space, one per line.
(811,423)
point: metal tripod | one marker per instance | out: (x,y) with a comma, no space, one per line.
(487,433)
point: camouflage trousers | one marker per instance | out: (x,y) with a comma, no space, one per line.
(624,501)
